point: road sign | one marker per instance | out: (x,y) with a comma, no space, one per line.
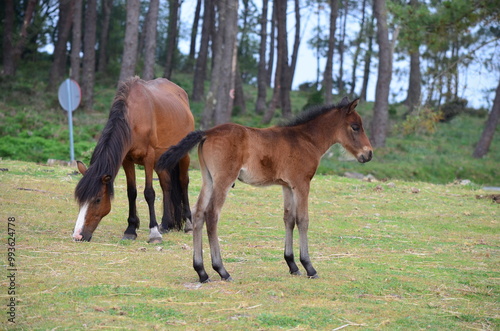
(70,96)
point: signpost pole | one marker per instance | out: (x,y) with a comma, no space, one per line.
(70,121)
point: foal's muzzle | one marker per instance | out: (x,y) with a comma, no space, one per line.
(365,157)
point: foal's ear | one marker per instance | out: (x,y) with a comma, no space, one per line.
(352,106)
(81,167)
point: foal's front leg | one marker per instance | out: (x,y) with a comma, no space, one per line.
(289,219)
(303,225)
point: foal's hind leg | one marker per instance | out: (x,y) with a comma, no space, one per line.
(198,221)
(133,220)
(289,219)
(212,218)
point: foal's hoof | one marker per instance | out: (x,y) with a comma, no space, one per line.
(296,273)
(157,240)
(315,276)
(228,279)
(127,236)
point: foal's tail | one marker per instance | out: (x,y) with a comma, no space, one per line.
(171,157)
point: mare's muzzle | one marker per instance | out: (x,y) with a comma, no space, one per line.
(83,236)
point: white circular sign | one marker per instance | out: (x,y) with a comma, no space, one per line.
(70,95)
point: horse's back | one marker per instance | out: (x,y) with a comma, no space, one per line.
(159,114)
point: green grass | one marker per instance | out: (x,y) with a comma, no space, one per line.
(387,259)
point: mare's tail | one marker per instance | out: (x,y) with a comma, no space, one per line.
(171,157)
(176,198)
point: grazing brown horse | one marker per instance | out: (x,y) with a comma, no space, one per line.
(286,155)
(145,119)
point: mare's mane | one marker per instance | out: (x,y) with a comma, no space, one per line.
(107,156)
(312,113)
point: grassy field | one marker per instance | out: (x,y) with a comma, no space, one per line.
(390,255)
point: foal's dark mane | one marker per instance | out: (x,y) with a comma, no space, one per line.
(313,112)
(107,156)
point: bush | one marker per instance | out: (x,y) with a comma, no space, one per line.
(422,122)
(453,108)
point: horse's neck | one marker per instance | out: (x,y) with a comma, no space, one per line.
(323,131)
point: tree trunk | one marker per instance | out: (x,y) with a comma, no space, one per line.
(415,83)
(239,94)
(218,105)
(380,121)
(150,40)
(296,43)
(89,39)
(286,79)
(173,21)
(102,63)
(194,32)
(342,47)
(9,68)
(129,58)
(64,23)
(276,98)
(260,104)
(282,80)
(200,68)
(328,74)
(224,105)
(17,48)
(272,47)
(367,60)
(76,41)
(358,49)
(484,143)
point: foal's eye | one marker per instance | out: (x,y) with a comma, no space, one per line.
(355,127)
(98,200)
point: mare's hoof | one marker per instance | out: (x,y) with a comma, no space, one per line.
(205,281)
(296,273)
(228,279)
(163,230)
(158,240)
(315,276)
(129,236)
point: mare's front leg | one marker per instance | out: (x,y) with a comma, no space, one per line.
(133,220)
(301,195)
(289,219)
(149,195)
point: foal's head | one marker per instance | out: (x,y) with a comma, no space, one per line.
(94,196)
(351,134)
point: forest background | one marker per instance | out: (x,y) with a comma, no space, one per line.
(238,59)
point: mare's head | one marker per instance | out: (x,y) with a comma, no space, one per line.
(351,134)
(93,194)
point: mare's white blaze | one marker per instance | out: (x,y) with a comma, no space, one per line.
(77,233)
(154,233)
